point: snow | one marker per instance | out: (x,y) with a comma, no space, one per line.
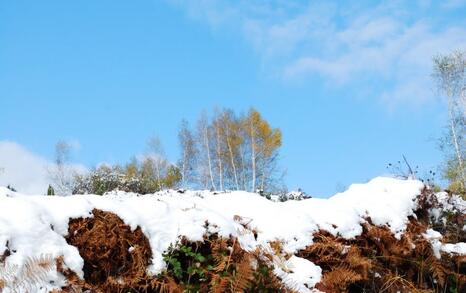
(302,274)
(446,203)
(36,225)
(457,248)
(435,239)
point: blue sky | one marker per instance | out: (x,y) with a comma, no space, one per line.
(349,84)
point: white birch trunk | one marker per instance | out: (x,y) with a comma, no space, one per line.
(233,164)
(209,161)
(219,156)
(456,144)
(253,157)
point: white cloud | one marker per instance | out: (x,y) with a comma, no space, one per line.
(399,55)
(24,170)
(389,43)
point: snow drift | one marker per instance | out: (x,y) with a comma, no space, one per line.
(32,227)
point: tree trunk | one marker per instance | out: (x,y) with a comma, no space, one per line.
(157,170)
(253,157)
(219,156)
(457,147)
(243,169)
(209,162)
(233,164)
(183,169)
(230,151)
(263,180)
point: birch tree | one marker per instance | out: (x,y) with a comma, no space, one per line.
(61,174)
(264,143)
(231,135)
(220,148)
(156,156)
(252,125)
(187,161)
(205,138)
(450,75)
(232,152)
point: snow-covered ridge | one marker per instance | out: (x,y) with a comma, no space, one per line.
(31,226)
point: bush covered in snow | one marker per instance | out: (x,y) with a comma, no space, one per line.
(135,177)
(387,235)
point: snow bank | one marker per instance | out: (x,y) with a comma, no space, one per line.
(31,226)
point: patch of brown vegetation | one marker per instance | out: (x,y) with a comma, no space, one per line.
(115,258)
(221,265)
(376,261)
(213,265)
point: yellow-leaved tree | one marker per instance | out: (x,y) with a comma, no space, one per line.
(230,151)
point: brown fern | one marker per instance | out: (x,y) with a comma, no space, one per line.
(219,255)
(437,269)
(340,277)
(243,275)
(219,284)
(357,262)
(28,277)
(165,285)
(396,283)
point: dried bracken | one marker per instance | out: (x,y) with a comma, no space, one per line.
(221,265)
(28,277)
(377,261)
(116,259)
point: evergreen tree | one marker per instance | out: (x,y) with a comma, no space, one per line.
(50,190)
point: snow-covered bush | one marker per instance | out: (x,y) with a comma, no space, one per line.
(134,178)
(383,236)
(293,195)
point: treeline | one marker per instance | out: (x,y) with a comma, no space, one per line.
(227,151)
(230,152)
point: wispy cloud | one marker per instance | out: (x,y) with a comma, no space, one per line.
(389,43)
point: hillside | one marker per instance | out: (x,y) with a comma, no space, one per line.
(385,235)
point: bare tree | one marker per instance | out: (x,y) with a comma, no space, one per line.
(205,137)
(219,149)
(188,153)
(450,74)
(61,172)
(252,133)
(156,156)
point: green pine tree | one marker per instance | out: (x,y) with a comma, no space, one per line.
(50,190)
